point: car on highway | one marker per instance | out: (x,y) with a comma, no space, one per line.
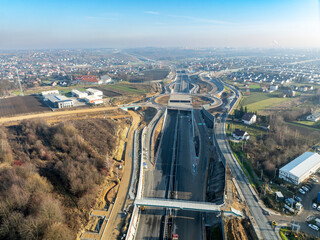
(145,166)
(314,205)
(314,227)
(175,236)
(301,191)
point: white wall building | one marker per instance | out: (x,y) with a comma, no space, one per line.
(274,87)
(59,101)
(79,94)
(300,168)
(106,79)
(51,92)
(94,100)
(95,92)
(314,117)
(249,118)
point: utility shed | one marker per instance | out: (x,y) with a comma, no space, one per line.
(279,196)
(300,168)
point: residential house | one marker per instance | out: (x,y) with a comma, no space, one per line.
(290,93)
(249,118)
(89,80)
(239,134)
(314,117)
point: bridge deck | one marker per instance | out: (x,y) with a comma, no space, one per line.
(178,204)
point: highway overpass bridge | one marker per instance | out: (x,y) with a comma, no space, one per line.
(185,205)
(178,204)
(132,107)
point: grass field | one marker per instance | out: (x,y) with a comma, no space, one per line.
(265,104)
(126,88)
(254,86)
(258,101)
(303,124)
(308,123)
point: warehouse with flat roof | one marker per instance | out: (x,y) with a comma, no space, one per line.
(93,91)
(300,168)
(79,94)
(58,101)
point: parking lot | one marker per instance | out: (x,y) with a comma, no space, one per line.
(306,212)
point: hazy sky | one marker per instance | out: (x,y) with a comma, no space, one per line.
(163,23)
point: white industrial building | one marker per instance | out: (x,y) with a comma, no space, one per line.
(300,168)
(92,99)
(106,79)
(79,94)
(95,92)
(58,101)
(51,92)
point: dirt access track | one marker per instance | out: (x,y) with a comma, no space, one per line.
(7,121)
(113,225)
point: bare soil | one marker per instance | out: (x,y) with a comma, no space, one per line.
(163,100)
(200,101)
(21,105)
(235,230)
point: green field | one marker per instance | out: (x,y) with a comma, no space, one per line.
(254,86)
(308,123)
(304,124)
(253,97)
(258,101)
(260,105)
(126,88)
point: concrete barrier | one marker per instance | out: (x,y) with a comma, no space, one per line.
(133,225)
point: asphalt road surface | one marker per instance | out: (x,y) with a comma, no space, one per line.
(177,161)
(182,84)
(156,181)
(265,228)
(189,176)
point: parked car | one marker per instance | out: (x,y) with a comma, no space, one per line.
(314,227)
(318,208)
(314,205)
(301,191)
(309,185)
(305,188)
(315,180)
(298,199)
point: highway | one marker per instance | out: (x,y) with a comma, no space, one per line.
(182,84)
(157,181)
(178,174)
